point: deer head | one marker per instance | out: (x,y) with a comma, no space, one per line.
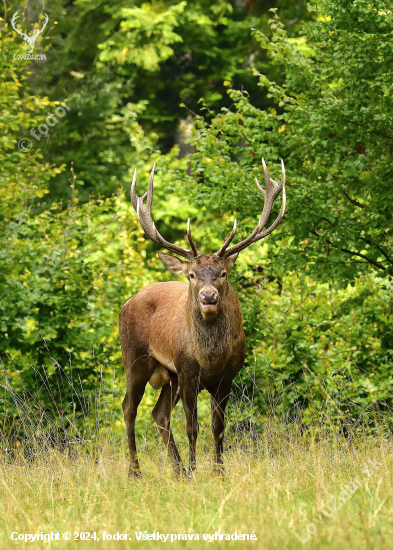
(207,274)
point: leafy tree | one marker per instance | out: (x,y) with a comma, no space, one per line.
(331,124)
(148,57)
(64,273)
(318,349)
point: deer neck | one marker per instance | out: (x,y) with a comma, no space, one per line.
(211,340)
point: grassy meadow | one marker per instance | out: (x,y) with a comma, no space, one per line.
(289,487)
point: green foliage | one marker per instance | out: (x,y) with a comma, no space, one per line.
(23,174)
(65,272)
(332,127)
(316,297)
(106,58)
(145,36)
(65,276)
(317,348)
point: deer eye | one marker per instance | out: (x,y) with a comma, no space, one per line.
(223,274)
(192,276)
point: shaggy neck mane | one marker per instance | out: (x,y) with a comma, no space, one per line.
(212,338)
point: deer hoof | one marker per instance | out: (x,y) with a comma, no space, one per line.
(180,472)
(219,469)
(134,473)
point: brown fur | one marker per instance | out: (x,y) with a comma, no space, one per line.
(169,339)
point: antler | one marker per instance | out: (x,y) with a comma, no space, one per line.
(147,223)
(13,23)
(272,191)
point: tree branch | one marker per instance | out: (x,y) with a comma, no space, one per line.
(358,254)
(379,248)
(353,201)
(371,131)
(372,262)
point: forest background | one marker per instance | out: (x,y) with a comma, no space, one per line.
(204,89)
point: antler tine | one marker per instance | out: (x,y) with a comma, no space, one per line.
(227,241)
(270,194)
(276,222)
(134,197)
(149,191)
(190,239)
(261,189)
(148,225)
(283,174)
(268,182)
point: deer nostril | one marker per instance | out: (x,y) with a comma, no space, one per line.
(209,298)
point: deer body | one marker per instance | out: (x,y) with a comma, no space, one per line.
(185,337)
(162,316)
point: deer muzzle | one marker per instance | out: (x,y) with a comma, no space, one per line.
(208,300)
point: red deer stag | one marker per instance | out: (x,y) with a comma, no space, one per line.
(183,337)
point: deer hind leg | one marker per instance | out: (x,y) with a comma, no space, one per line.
(130,407)
(189,394)
(137,377)
(218,403)
(169,396)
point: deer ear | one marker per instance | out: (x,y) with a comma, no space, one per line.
(230,261)
(175,265)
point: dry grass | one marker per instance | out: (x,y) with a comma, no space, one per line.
(275,486)
(280,480)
